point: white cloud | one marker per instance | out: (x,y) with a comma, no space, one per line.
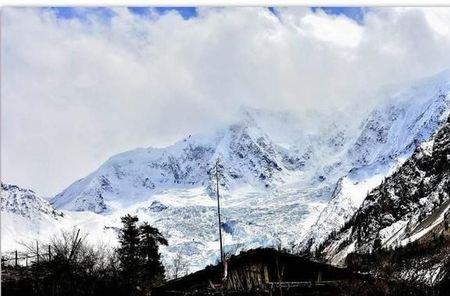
(322,26)
(75,92)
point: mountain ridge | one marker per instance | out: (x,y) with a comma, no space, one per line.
(413,204)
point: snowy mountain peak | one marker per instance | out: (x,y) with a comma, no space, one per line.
(247,156)
(25,203)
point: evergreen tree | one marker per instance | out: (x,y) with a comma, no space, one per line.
(128,252)
(151,239)
(139,256)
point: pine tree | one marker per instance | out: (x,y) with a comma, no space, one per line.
(128,252)
(153,270)
(139,256)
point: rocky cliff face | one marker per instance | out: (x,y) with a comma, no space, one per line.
(388,137)
(411,205)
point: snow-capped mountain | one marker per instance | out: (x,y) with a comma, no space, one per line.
(24,214)
(388,137)
(25,203)
(412,204)
(270,175)
(275,177)
(26,218)
(282,182)
(248,155)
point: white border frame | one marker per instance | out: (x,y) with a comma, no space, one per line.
(275,3)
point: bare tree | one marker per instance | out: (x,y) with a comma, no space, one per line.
(179,266)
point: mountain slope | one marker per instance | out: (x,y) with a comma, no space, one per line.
(26,203)
(248,156)
(24,215)
(388,137)
(411,205)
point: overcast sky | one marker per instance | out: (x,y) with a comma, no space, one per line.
(79,85)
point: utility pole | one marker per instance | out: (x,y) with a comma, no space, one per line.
(222,259)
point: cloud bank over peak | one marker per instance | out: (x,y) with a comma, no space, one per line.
(76,90)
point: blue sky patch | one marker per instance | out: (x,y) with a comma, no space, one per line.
(185,12)
(81,13)
(355,13)
(106,13)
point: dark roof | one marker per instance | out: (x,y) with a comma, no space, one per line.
(214,272)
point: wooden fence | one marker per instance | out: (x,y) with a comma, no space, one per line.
(23,258)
